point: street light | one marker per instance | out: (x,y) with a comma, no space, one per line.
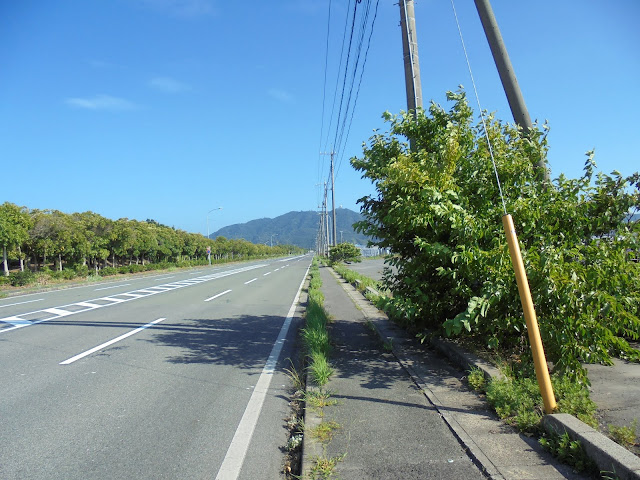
(212,210)
(208,248)
(273,235)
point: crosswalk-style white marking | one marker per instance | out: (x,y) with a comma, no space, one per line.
(47,314)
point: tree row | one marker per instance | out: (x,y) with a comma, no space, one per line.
(37,239)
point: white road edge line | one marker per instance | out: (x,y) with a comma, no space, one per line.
(218,295)
(233,460)
(21,303)
(112,286)
(110,342)
(252,280)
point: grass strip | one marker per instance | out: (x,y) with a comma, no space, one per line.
(314,334)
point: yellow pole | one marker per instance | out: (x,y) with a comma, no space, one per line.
(539,361)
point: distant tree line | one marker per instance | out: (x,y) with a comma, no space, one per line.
(33,240)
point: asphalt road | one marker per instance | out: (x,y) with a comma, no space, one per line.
(178,375)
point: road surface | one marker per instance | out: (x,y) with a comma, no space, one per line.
(177,375)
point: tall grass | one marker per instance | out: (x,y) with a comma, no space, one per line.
(314,333)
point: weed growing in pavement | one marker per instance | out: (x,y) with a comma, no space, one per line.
(568,451)
(296,377)
(323,466)
(388,345)
(324,431)
(319,398)
(625,436)
(320,369)
(519,403)
(314,333)
(477,380)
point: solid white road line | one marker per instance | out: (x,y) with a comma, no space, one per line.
(110,342)
(233,460)
(20,303)
(252,280)
(113,286)
(218,295)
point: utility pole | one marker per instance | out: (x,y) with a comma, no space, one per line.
(333,196)
(506,72)
(410,53)
(333,201)
(326,222)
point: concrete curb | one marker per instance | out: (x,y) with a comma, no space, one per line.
(611,458)
(311,448)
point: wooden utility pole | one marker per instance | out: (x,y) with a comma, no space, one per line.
(333,196)
(333,200)
(410,53)
(506,72)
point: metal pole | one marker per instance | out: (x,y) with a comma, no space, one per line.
(506,72)
(537,350)
(410,53)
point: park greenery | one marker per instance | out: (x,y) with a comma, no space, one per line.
(438,208)
(65,246)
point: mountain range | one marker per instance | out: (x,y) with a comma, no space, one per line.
(294,228)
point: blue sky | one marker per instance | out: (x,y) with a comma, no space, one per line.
(166,109)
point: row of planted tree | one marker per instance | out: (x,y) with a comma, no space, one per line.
(33,240)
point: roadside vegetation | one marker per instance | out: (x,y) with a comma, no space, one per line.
(438,208)
(45,246)
(310,385)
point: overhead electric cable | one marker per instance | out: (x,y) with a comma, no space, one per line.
(484,124)
(324,94)
(364,63)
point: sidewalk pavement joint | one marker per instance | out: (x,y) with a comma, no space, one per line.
(610,457)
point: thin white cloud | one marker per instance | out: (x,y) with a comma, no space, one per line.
(182,8)
(280,95)
(102,102)
(168,85)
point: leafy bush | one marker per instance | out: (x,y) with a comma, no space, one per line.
(345,252)
(438,209)
(518,401)
(20,279)
(107,271)
(81,271)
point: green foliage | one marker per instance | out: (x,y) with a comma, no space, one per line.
(42,236)
(517,400)
(345,252)
(314,334)
(625,436)
(477,380)
(355,278)
(568,451)
(81,271)
(438,208)
(20,279)
(107,271)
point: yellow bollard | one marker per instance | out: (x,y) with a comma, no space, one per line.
(539,361)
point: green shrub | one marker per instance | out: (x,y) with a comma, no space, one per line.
(568,451)
(20,279)
(68,274)
(107,271)
(81,271)
(437,207)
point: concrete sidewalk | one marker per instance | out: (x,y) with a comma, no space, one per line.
(407,414)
